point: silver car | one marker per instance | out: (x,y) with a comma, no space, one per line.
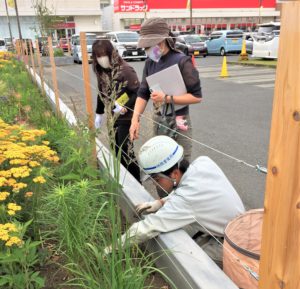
(125,42)
(76,47)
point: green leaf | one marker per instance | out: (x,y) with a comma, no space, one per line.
(3,281)
(70,176)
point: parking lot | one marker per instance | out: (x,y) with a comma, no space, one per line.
(233,118)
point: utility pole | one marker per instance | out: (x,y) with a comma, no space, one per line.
(18,20)
(8,21)
(145,9)
(259,10)
(191,15)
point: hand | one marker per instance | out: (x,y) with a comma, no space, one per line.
(134,130)
(107,250)
(98,120)
(119,109)
(157,96)
(149,207)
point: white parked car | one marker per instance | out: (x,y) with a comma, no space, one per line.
(266,41)
(125,42)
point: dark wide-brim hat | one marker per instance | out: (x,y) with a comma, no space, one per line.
(153,31)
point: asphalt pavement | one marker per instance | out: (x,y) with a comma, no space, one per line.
(230,125)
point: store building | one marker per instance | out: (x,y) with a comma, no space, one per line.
(76,16)
(207,15)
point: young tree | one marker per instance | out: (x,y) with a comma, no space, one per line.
(46,18)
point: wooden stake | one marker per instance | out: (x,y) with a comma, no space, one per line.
(41,68)
(69,46)
(280,252)
(32,60)
(86,78)
(18,48)
(25,50)
(54,79)
(87,89)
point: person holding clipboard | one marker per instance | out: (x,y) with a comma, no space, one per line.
(109,67)
(159,45)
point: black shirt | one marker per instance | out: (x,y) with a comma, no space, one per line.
(127,81)
(189,74)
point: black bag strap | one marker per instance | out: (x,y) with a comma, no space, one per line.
(167,105)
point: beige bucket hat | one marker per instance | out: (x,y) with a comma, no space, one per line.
(153,31)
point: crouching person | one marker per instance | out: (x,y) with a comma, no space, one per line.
(201,199)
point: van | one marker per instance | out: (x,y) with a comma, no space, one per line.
(2,45)
(125,42)
(76,47)
(266,41)
(225,41)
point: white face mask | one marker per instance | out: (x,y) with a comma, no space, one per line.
(103,61)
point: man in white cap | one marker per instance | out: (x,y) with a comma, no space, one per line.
(201,199)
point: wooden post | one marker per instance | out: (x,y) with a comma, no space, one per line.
(17,48)
(280,252)
(25,50)
(32,60)
(86,78)
(69,46)
(87,89)
(54,79)
(22,50)
(41,68)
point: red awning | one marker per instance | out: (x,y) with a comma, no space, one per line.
(135,27)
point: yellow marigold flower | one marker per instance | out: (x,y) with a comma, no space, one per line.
(4,195)
(19,172)
(28,194)
(45,142)
(5,174)
(2,181)
(11,212)
(13,241)
(19,186)
(4,235)
(10,182)
(18,162)
(55,159)
(39,179)
(10,227)
(34,164)
(14,207)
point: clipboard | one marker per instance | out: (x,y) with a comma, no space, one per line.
(170,81)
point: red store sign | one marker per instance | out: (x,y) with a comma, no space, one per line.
(64,25)
(142,5)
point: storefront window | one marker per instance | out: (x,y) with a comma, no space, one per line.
(70,19)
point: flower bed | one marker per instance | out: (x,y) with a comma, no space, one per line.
(56,207)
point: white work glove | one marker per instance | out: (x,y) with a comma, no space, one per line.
(98,120)
(149,207)
(118,109)
(107,250)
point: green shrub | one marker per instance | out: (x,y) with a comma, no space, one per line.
(58,52)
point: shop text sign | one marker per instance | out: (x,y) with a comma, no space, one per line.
(130,6)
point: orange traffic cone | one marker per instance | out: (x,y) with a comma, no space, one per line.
(193,60)
(243,55)
(224,72)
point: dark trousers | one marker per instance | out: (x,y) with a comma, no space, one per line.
(128,159)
